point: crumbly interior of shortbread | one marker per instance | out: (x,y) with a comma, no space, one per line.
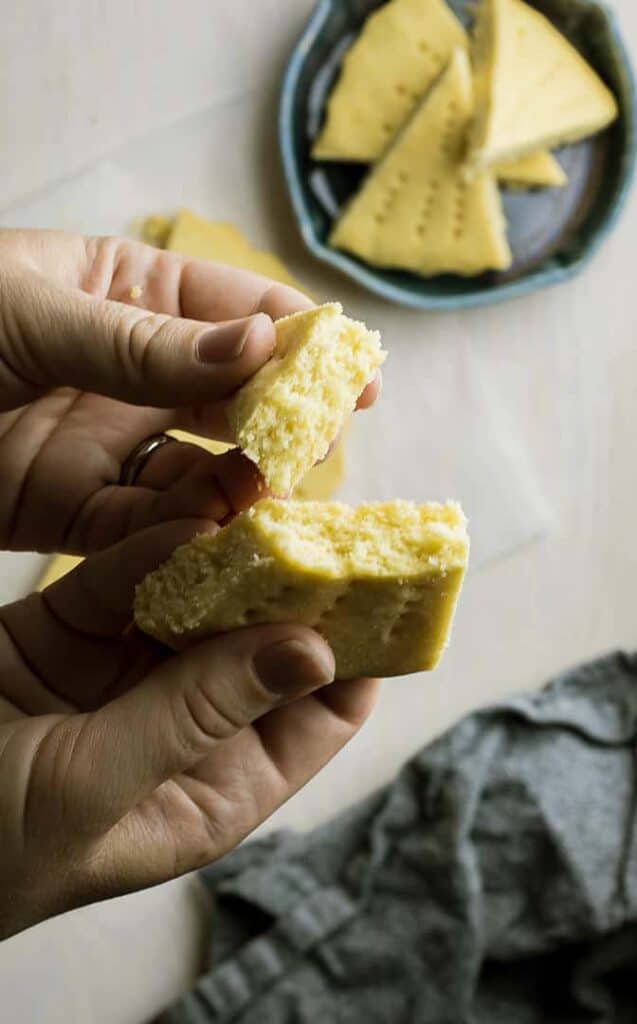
(379,581)
(396,538)
(288,414)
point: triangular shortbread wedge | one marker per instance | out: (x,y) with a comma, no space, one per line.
(416,210)
(534,90)
(287,415)
(379,582)
(402,48)
(536,170)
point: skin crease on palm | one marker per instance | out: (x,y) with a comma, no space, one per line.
(122,764)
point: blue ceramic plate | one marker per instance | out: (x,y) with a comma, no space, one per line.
(552,232)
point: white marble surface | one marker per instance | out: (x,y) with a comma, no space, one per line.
(561,364)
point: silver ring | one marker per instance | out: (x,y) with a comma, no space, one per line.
(135,463)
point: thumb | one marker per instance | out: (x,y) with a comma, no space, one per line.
(52,335)
(184,708)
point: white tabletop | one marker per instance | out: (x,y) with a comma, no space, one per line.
(88,79)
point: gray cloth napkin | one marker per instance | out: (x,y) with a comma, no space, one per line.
(494,881)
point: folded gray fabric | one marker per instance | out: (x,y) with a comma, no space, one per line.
(494,881)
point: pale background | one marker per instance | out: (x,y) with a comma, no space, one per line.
(181,99)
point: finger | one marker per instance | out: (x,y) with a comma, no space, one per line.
(187,706)
(371,393)
(97,597)
(56,668)
(68,644)
(238,786)
(60,336)
(206,420)
(22,684)
(152,279)
(237,481)
(212,291)
(286,747)
(180,481)
(169,282)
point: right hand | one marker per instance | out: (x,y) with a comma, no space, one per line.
(89,368)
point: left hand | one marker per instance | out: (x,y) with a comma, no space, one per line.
(122,764)
(87,371)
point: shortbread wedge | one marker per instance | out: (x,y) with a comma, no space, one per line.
(534,90)
(416,210)
(379,582)
(535,170)
(401,49)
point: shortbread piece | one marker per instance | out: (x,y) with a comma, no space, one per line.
(154,230)
(193,235)
(416,210)
(219,240)
(534,90)
(320,483)
(402,48)
(288,414)
(535,170)
(379,582)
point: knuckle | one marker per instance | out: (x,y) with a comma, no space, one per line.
(225,820)
(129,341)
(220,818)
(55,792)
(209,710)
(100,254)
(17,301)
(279,299)
(147,342)
(130,334)
(99,875)
(202,710)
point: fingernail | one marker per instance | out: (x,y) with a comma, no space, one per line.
(291,666)
(223,343)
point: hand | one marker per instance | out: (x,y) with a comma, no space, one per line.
(122,765)
(87,371)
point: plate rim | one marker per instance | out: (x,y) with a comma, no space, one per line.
(372,279)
